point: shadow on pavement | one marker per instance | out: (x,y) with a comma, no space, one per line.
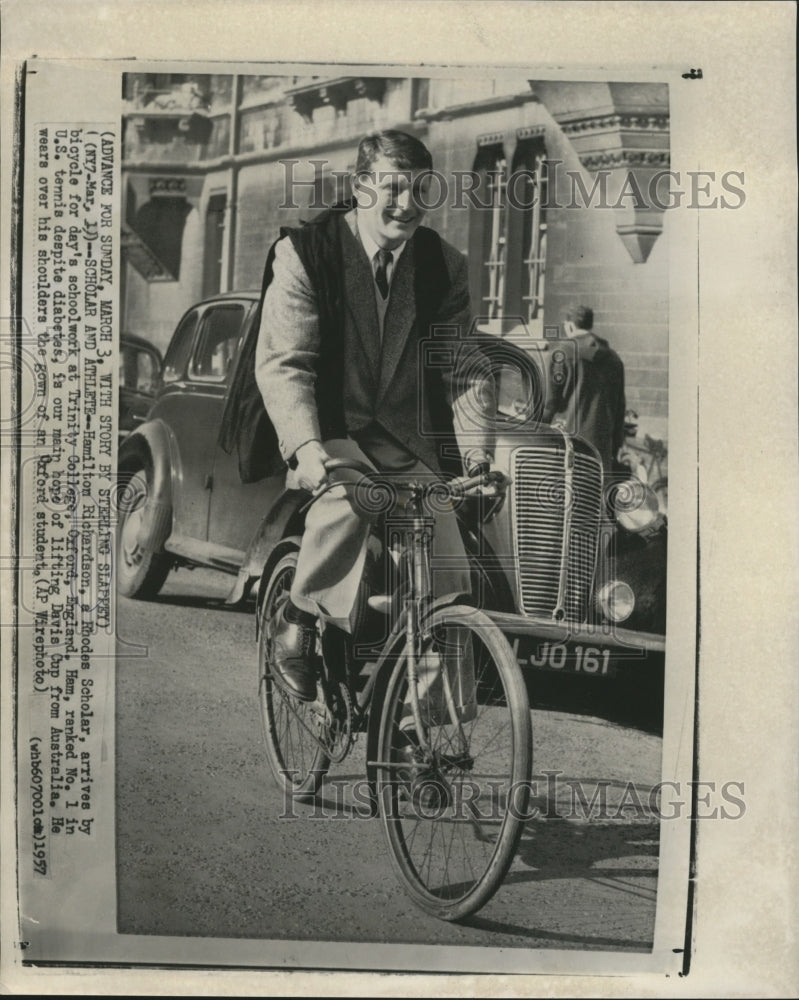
(593,852)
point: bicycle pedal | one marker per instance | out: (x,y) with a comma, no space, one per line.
(319,706)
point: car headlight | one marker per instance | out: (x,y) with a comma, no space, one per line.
(617,600)
(636,507)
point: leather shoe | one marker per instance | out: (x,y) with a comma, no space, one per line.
(293,657)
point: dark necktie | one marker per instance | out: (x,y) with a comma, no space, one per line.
(384,258)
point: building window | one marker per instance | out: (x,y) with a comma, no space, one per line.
(489,230)
(420,94)
(530,196)
(496,261)
(508,235)
(214,244)
(159,223)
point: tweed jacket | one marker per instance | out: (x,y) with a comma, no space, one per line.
(383,381)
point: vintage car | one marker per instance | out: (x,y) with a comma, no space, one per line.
(140,365)
(571,567)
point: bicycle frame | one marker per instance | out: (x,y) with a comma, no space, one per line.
(417,530)
(432,753)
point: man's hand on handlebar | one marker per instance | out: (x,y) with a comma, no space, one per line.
(480,465)
(314,465)
(311,472)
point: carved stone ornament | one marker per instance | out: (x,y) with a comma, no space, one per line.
(620,133)
(337,93)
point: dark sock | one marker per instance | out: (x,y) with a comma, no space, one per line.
(297,616)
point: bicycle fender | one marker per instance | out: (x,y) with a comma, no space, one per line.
(382,675)
(373,730)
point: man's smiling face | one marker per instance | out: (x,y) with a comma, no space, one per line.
(390,202)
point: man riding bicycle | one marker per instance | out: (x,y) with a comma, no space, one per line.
(350,299)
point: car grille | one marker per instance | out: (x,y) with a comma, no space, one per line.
(557,492)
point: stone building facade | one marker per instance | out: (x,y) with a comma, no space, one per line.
(547,187)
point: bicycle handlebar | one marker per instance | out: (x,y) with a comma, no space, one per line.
(331,464)
(464,484)
(457,488)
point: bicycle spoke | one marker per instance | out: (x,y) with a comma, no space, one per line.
(455,836)
(291,729)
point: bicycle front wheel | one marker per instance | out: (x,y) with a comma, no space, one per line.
(454,797)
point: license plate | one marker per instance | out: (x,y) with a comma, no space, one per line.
(562,657)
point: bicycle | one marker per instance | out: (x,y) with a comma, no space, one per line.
(452,788)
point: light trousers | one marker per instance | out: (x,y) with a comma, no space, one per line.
(333,554)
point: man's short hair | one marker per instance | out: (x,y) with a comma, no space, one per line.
(404,150)
(581,316)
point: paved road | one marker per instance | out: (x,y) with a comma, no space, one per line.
(202,849)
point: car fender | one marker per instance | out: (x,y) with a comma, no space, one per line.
(153,443)
(283,520)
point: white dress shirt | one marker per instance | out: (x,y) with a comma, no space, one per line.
(372,248)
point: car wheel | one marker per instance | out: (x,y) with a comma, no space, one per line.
(141,572)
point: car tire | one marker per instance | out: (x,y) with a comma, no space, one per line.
(141,572)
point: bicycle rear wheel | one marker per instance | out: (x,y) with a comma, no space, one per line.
(453,805)
(293,729)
